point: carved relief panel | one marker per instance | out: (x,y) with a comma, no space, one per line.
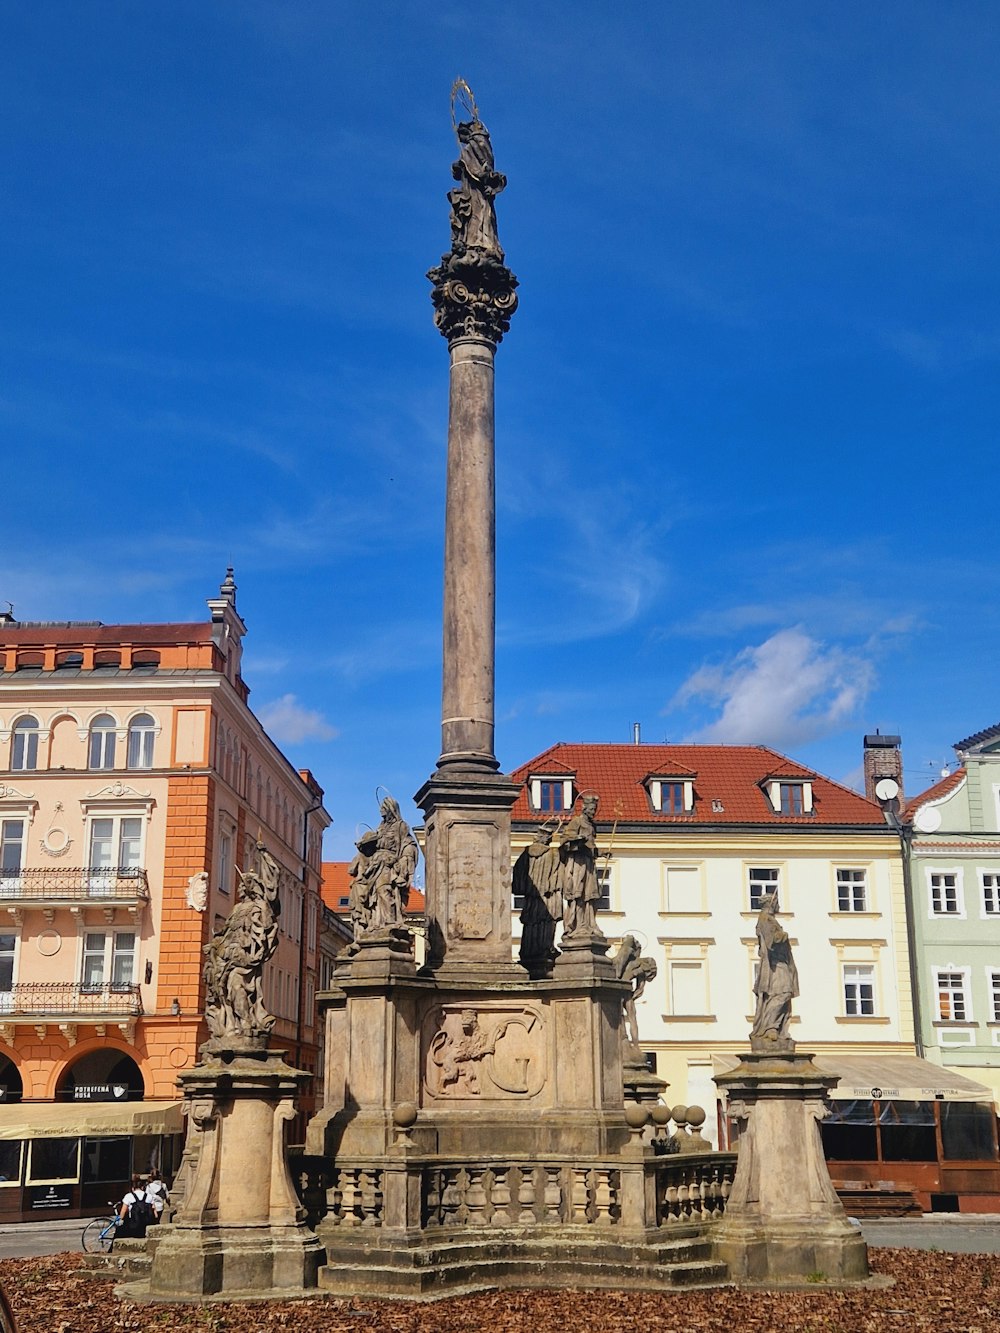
(484,1054)
(469,879)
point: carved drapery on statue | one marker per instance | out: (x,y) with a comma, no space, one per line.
(236,955)
(578,872)
(381,873)
(636,969)
(474,291)
(777,982)
(536,880)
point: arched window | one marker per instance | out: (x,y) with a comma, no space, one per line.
(102,741)
(141,734)
(24,750)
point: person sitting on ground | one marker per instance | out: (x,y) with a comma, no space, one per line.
(135,1211)
(157,1192)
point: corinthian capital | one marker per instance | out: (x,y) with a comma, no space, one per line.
(474,296)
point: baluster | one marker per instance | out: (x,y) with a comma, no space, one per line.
(451,1197)
(336,1198)
(580,1196)
(500,1196)
(475,1197)
(684,1195)
(602,1198)
(553,1194)
(462,1186)
(526,1197)
(352,1198)
(430,1189)
(670,1205)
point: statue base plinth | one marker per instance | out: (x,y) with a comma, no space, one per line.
(583,956)
(239,1230)
(641,1084)
(784,1221)
(382,953)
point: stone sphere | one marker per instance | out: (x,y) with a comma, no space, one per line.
(679,1115)
(660,1114)
(636,1115)
(404,1115)
(696,1116)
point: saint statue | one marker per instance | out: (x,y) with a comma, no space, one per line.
(636,970)
(359,898)
(578,872)
(236,954)
(473,212)
(777,982)
(536,880)
(388,871)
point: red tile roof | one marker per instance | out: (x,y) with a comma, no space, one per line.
(943,788)
(726,775)
(337,884)
(23,636)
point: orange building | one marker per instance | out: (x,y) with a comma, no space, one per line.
(134,783)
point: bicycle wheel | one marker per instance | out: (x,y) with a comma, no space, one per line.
(98,1236)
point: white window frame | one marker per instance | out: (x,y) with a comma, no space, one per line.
(768,885)
(993,991)
(24,736)
(854,978)
(101,749)
(10,884)
(145,735)
(993,875)
(110,953)
(965,990)
(7,997)
(656,786)
(535,792)
(774,791)
(99,881)
(227,844)
(931,872)
(851,885)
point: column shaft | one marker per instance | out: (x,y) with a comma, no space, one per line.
(470,561)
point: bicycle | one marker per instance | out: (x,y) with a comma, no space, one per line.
(99,1235)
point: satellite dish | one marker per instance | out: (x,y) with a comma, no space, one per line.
(928,821)
(887,789)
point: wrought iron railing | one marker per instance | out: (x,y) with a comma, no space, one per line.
(35,999)
(75,884)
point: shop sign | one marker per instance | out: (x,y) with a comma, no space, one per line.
(50,1196)
(100,1092)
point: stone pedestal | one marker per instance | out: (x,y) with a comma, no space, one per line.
(783,1221)
(239,1230)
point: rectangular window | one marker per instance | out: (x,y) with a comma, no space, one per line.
(603,903)
(225,861)
(550,796)
(672,798)
(762,880)
(53,1161)
(8,945)
(991,894)
(791,800)
(994,981)
(852,891)
(944,893)
(687,988)
(108,956)
(953,1001)
(859,990)
(11,855)
(682,889)
(115,848)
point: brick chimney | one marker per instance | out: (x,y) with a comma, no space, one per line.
(883,759)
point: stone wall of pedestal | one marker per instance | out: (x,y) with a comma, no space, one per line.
(783,1220)
(239,1230)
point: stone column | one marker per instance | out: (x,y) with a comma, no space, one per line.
(466,803)
(469,561)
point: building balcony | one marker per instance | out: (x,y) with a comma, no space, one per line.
(74,887)
(65,1005)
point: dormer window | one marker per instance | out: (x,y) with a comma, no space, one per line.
(551,795)
(790,797)
(670,795)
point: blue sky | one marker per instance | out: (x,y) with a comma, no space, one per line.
(746,414)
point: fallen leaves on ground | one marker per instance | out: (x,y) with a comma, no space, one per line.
(950,1293)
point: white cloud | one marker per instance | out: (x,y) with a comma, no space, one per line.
(786,691)
(287,721)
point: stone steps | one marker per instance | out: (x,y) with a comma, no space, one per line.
(465,1265)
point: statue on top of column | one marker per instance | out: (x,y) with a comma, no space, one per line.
(536,880)
(578,866)
(236,954)
(474,292)
(473,213)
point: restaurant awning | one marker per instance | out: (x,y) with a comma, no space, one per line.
(897,1077)
(67,1120)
